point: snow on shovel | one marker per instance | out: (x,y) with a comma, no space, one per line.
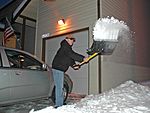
(106,34)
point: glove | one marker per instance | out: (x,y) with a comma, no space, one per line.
(76,66)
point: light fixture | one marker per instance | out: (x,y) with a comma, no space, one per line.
(61,22)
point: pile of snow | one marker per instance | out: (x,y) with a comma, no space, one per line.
(129,97)
(108,29)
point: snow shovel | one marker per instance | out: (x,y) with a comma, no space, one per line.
(106,36)
(99,48)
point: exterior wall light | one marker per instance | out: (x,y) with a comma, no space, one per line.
(61,22)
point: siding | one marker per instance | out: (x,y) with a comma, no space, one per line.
(116,8)
(115,68)
(78,14)
(130,59)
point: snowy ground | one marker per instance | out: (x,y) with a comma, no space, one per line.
(25,107)
(129,97)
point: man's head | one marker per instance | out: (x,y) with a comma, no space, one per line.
(70,39)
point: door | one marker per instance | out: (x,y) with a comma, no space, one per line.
(28,79)
(5,87)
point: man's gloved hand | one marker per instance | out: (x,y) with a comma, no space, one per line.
(76,67)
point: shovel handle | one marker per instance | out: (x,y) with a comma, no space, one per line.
(88,59)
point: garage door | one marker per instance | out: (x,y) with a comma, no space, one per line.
(79,77)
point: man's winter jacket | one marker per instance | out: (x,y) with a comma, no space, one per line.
(65,57)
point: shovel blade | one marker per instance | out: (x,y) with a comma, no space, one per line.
(102,47)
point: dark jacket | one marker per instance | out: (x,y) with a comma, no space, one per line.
(65,57)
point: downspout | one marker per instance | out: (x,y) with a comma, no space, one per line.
(99,15)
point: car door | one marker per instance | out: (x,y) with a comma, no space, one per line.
(5,87)
(28,78)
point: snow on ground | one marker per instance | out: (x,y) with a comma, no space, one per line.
(26,106)
(129,97)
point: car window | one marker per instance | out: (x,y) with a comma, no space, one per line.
(21,60)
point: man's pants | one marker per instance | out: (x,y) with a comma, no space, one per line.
(58,81)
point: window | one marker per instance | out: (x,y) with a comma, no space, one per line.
(21,60)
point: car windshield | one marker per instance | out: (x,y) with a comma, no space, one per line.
(22,60)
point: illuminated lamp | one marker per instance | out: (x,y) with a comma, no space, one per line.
(61,22)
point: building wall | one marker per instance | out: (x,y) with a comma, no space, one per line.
(31,10)
(130,59)
(78,14)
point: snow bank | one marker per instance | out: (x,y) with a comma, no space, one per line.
(129,97)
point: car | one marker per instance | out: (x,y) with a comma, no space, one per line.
(25,77)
